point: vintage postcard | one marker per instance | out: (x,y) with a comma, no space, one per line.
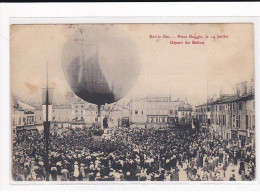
(132,102)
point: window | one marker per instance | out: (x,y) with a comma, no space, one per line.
(228,107)
(246,121)
(249,121)
(200,118)
(234,120)
(208,121)
(224,120)
(136,112)
(142,112)
(238,121)
(171,111)
(240,106)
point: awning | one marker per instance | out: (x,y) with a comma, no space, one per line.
(30,128)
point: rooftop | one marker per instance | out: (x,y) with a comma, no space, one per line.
(62,106)
(228,99)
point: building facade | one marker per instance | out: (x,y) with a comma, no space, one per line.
(22,115)
(79,114)
(231,116)
(159,112)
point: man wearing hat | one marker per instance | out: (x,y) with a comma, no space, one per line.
(98,177)
(91,176)
(232,178)
(54,173)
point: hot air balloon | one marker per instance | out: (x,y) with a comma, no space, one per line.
(101,63)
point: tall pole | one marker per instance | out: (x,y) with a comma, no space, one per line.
(47,129)
(99,115)
(207,125)
(47,96)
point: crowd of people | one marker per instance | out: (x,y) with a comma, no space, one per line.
(124,154)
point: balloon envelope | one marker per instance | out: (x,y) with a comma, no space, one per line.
(100,64)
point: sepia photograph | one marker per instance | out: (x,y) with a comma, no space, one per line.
(132,102)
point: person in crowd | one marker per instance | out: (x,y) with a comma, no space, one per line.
(232,178)
(241,166)
(54,173)
(131,155)
(76,170)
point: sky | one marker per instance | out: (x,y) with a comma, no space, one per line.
(181,71)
